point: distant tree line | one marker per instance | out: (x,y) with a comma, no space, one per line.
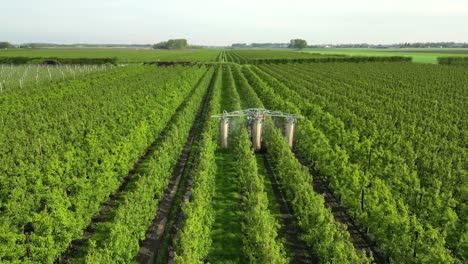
(80,45)
(294,44)
(172,44)
(259,45)
(298,44)
(240,46)
(5,45)
(398,45)
(434,45)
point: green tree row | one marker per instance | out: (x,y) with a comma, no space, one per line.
(453,60)
(296,180)
(400,235)
(308,206)
(117,240)
(260,229)
(416,148)
(328,239)
(66,147)
(285,57)
(194,238)
(260,243)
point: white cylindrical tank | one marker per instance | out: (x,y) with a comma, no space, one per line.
(257,126)
(289,131)
(224,132)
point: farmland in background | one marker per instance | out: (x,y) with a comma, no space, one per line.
(24,76)
(123,164)
(419,55)
(123,55)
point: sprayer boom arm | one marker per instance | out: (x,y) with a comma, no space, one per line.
(255,113)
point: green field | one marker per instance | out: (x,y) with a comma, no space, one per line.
(129,55)
(123,164)
(124,55)
(419,55)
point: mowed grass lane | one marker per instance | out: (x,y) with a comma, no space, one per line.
(226,234)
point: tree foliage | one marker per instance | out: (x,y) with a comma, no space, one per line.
(194,238)
(257,57)
(409,222)
(74,142)
(5,45)
(298,43)
(453,60)
(172,44)
(260,230)
(309,207)
(119,237)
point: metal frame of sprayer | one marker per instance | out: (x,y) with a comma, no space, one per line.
(255,119)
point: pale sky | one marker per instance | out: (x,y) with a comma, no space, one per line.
(220,22)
